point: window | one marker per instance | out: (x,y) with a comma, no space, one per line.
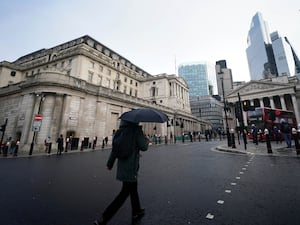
(100,68)
(125,79)
(125,89)
(99,80)
(108,83)
(136,84)
(153,91)
(108,72)
(92,65)
(13,73)
(90,76)
(136,93)
(130,81)
(130,91)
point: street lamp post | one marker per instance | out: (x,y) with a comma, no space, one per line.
(226,119)
(34,132)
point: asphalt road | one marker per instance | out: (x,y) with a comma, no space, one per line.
(178,184)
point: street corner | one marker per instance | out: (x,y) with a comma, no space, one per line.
(223,148)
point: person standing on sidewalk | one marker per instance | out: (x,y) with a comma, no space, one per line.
(60,144)
(286,130)
(127,172)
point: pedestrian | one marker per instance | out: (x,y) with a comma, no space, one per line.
(286,130)
(16,148)
(276,134)
(106,140)
(60,144)
(254,132)
(127,172)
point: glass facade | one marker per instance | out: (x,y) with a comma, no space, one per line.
(260,57)
(200,78)
(269,55)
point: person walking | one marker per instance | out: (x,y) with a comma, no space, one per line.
(127,172)
(286,130)
(60,145)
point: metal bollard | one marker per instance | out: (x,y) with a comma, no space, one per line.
(232,138)
(295,136)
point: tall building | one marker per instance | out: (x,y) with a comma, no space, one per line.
(286,59)
(260,55)
(269,55)
(200,77)
(224,78)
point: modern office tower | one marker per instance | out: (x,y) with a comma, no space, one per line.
(287,61)
(224,78)
(208,108)
(200,77)
(260,55)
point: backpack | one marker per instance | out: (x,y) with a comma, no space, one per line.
(123,142)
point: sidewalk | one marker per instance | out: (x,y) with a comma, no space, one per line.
(25,154)
(279,149)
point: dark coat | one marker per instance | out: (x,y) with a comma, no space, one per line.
(127,169)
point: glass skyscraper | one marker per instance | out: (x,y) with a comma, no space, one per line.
(200,77)
(269,55)
(260,55)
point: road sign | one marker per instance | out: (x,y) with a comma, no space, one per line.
(36,125)
(38,117)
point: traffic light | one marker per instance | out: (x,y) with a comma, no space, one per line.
(238,113)
(246,105)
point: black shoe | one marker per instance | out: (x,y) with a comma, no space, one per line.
(138,215)
(100,222)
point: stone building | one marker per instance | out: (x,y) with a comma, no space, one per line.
(281,92)
(80,88)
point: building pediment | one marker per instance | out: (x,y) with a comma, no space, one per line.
(255,87)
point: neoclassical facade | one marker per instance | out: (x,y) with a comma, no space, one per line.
(80,88)
(277,93)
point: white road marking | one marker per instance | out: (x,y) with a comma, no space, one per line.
(238,178)
(210,216)
(233,184)
(228,191)
(241,172)
(244,168)
(220,202)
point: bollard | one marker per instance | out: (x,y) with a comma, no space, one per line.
(269,147)
(232,138)
(295,136)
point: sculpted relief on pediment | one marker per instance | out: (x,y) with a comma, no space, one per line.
(256,87)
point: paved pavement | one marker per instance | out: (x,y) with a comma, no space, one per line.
(279,149)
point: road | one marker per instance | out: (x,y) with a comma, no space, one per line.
(178,184)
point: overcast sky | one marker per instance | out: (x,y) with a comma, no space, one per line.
(155,35)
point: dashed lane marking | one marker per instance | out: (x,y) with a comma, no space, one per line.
(228,191)
(238,178)
(210,216)
(233,184)
(221,202)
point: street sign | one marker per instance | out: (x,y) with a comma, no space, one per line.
(36,125)
(38,117)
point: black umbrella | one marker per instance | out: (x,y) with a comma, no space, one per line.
(144,115)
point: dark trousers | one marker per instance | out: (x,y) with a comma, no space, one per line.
(128,188)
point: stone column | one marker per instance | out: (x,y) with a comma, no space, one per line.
(272,102)
(296,109)
(283,105)
(261,102)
